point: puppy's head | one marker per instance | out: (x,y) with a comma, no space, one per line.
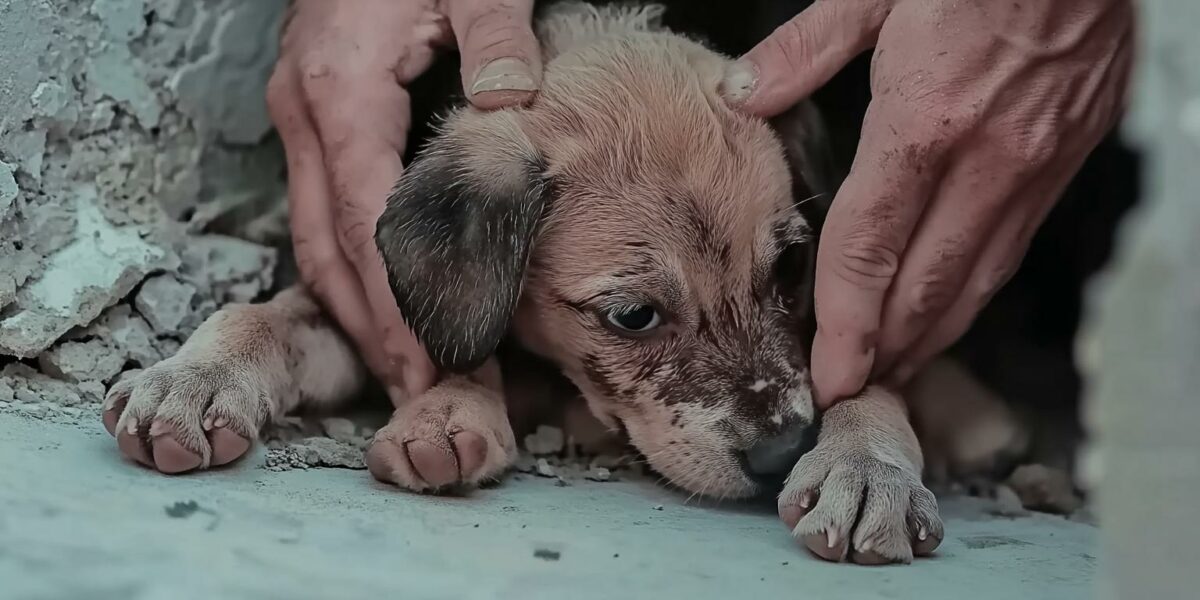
(643,236)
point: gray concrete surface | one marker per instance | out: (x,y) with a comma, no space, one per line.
(76,521)
(1143,343)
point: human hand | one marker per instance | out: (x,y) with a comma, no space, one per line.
(337,97)
(981,113)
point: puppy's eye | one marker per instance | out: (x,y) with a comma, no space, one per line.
(633,319)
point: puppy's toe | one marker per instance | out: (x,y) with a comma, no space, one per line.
(129,441)
(434,463)
(227,446)
(924,523)
(471,449)
(171,457)
(388,461)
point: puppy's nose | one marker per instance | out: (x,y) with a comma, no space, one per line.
(775,456)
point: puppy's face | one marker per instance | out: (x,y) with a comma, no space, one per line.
(640,234)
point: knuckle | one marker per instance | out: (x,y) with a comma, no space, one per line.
(357,239)
(494,22)
(791,44)
(319,77)
(990,282)
(281,99)
(314,261)
(931,295)
(866,259)
(1030,147)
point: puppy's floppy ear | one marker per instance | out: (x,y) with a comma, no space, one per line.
(456,235)
(815,176)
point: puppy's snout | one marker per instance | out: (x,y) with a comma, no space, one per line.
(773,457)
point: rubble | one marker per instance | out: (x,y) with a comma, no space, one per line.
(130,128)
(545,440)
(1045,489)
(314,452)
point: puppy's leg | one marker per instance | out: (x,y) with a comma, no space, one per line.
(858,493)
(247,363)
(457,433)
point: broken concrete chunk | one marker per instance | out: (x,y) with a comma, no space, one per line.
(122,18)
(1008,503)
(129,334)
(223,263)
(544,469)
(77,362)
(599,474)
(80,280)
(8,189)
(340,429)
(165,302)
(1045,489)
(546,440)
(31,387)
(315,452)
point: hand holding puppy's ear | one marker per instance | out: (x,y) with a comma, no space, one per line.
(981,113)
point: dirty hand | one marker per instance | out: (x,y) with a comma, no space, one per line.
(337,98)
(981,113)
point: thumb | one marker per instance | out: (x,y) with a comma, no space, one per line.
(501,58)
(802,54)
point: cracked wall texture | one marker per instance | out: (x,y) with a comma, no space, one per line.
(1142,347)
(130,132)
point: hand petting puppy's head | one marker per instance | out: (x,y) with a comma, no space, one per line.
(632,228)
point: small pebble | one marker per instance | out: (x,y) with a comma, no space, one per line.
(546,554)
(658,507)
(599,474)
(544,469)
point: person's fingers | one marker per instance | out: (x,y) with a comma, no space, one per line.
(802,54)
(362,121)
(501,58)
(996,265)
(961,219)
(864,236)
(323,267)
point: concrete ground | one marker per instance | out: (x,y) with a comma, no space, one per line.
(76,521)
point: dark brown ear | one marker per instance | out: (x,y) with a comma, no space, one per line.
(815,176)
(456,235)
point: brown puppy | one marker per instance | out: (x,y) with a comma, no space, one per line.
(638,234)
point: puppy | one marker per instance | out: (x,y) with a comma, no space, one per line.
(630,229)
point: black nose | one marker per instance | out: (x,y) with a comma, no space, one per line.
(773,457)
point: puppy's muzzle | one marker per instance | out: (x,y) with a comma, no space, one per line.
(770,460)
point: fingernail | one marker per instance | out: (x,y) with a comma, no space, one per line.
(805,501)
(833,537)
(504,74)
(220,422)
(922,534)
(132,426)
(739,81)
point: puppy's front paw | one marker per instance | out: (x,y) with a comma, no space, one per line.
(455,434)
(845,502)
(186,413)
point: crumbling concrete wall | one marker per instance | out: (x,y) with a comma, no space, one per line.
(129,130)
(1143,345)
